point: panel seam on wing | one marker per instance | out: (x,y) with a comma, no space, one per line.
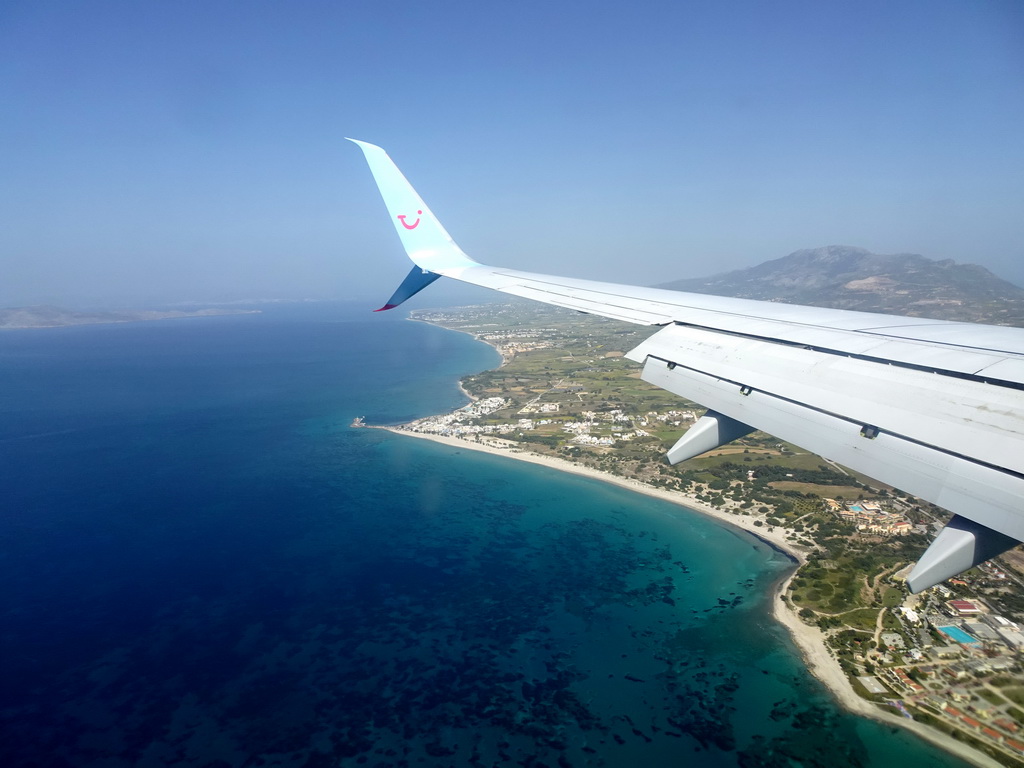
(847,419)
(867,358)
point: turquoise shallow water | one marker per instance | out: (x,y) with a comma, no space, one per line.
(205,564)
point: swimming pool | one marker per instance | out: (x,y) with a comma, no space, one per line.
(957,634)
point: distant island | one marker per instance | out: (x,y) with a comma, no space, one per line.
(56,317)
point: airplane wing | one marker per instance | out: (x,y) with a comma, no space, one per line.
(932,407)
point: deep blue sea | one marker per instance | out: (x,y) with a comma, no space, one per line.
(203,564)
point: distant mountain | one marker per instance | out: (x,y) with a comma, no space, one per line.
(852,278)
(54,317)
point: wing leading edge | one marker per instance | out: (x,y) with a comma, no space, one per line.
(932,407)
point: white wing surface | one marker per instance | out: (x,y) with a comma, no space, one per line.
(932,407)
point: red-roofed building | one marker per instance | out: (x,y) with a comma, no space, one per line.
(1008,725)
(964,607)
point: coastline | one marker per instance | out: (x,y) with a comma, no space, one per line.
(809,640)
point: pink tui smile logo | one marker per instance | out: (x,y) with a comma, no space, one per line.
(415,224)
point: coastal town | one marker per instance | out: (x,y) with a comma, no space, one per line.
(945,663)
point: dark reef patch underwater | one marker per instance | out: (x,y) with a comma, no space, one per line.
(203,564)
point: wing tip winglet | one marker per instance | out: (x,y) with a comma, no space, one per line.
(414,282)
(364,145)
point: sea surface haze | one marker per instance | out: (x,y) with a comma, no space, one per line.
(203,563)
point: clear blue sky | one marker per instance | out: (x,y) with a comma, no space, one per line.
(185,150)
